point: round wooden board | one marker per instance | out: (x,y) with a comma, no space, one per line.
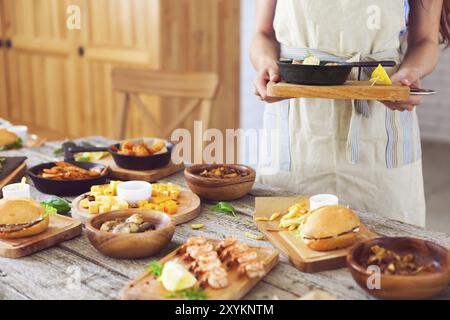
(189,206)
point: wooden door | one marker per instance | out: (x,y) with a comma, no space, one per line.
(3,90)
(42,65)
(117,33)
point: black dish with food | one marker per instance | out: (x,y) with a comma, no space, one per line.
(328,73)
(155,161)
(129,162)
(67,187)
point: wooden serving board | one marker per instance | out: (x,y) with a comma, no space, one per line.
(361,90)
(189,206)
(60,229)
(148,175)
(146,287)
(301,256)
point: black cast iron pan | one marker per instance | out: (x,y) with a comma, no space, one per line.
(323,74)
(124,161)
(67,187)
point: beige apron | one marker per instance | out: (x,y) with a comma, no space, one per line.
(369,155)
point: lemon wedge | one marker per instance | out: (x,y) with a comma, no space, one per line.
(176,278)
(380,76)
(91,156)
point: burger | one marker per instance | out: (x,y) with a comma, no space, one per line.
(330,228)
(9,140)
(20,218)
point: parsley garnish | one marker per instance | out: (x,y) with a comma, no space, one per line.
(154,268)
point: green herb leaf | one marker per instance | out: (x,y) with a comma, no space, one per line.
(48,211)
(155,268)
(61,205)
(58,152)
(194,294)
(224,207)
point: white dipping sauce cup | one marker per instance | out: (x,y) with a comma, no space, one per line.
(134,191)
(16,191)
(322,200)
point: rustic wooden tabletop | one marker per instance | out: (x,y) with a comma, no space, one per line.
(75,270)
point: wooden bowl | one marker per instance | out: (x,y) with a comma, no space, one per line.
(130,246)
(219,189)
(422,286)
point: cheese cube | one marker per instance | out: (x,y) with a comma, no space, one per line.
(84,203)
(104,208)
(93,208)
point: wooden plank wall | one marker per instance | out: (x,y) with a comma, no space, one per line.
(207,33)
(51,86)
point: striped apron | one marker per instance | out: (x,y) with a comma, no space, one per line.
(367,154)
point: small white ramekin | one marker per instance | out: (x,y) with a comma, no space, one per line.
(134,191)
(322,200)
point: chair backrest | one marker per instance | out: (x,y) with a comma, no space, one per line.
(199,87)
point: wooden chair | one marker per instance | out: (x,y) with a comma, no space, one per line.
(199,88)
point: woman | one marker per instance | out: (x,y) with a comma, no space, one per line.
(366,152)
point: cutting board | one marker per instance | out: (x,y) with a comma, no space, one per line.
(13,170)
(302,257)
(146,287)
(189,206)
(360,90)
(148,175)
(60,229)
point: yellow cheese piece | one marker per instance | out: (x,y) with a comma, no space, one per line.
(84,203)
(93,208)
(104,208)
(380,76)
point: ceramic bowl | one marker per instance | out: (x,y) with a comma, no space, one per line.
(421,286)
(134,191)
(131,246)
(219,189)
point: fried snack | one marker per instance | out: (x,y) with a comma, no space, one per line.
(66,171)
(140,149)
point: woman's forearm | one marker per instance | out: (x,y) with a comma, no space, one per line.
(422,57)
(264,49)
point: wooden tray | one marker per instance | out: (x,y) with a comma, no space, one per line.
(145,287)
(61,228)
(362,90)
(148,175)
(189,206)
(302,257)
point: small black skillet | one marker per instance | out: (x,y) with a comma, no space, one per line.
(139,163)
(324,74)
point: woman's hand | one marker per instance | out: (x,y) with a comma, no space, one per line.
(267,72)
(407,77)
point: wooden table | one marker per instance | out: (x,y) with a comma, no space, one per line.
(75,270)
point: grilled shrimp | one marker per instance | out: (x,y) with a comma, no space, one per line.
(247,256)
(195,252)
(227,242)
(217,278)
(254,269)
